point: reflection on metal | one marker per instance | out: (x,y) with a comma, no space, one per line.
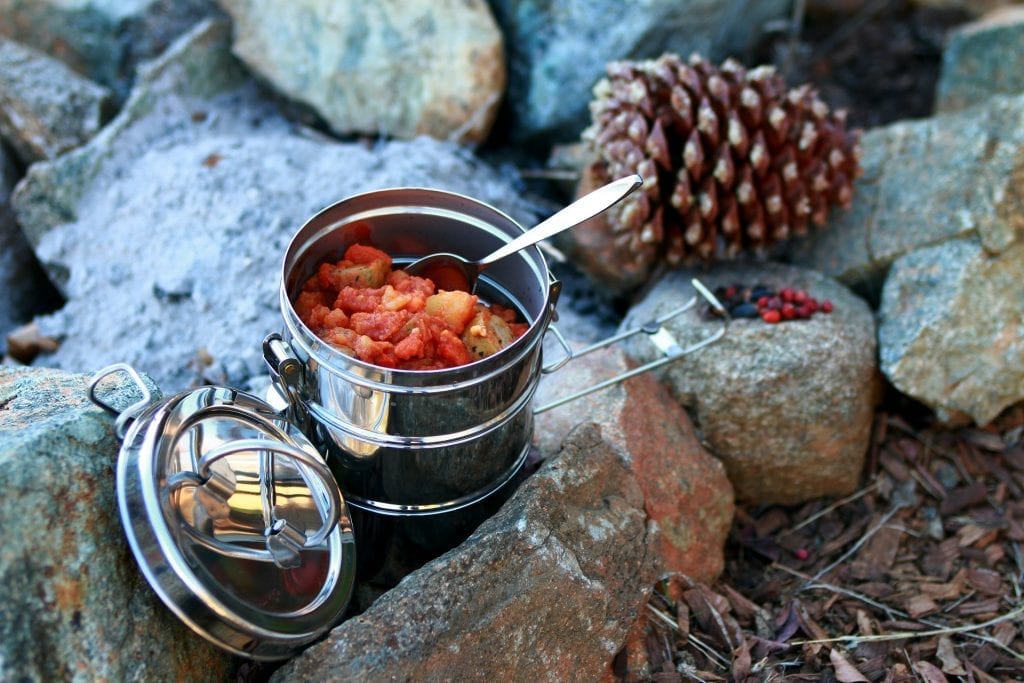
(216,492)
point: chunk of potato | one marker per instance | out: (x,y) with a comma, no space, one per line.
(348,274)
(486,334)
(455,308)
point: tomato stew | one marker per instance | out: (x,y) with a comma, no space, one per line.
(364,308)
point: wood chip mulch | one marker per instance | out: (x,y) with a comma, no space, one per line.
(918,576)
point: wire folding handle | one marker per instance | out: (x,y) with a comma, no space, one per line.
(660,337)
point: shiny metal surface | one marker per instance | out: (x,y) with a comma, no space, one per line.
(235,521)
(584,208)
(420,441)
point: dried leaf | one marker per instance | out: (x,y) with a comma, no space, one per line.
(920,605)
(877,556)
(930,673)
(951,664)
(743,607)
(864,623)
(845,672)
(811,628)
(970,534)
(683,618)
(741,661)
(788,627)
(964,497)
(1004,632)
(985,581)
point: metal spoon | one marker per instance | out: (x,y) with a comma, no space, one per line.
(450,271)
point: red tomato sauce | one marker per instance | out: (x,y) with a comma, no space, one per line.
(364,308)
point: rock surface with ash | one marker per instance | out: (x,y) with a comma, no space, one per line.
(982,59)
(103,41)
(950,328)
(45,107)
(402,69)
(686,492)
(925,182)
(73,603)
(548,586)
(194,191)
(786,407)
(557,51)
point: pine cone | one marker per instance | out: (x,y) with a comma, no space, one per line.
(731,161)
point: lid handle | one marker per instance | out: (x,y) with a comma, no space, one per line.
(284,540)
(126,416)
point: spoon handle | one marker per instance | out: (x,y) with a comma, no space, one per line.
(587,206)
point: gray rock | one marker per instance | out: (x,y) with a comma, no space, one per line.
(73,604)
(925,182)
(982,59)
(557,51)
(786,407)
(103,41)
(686,492)
(950,332)
(549,585)
(433,67)
(45,107)
(194,196)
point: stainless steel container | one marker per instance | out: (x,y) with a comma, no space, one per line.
(244,514)
(418,443)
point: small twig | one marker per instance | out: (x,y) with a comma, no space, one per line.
(838,504)
(891,612)
(705,649)
(856,546)
(956,603)
(905,635)
(910,665)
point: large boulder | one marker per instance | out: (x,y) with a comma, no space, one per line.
(558,50)
(103,41)
(982,59)
(686,491)
(389,67)
(788,408)
(545,589)
(194,191)
(45,107)
(948,177)
(73,603)
(950,332)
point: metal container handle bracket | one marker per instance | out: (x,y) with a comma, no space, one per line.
(660,337)
(123,417)
(284,539)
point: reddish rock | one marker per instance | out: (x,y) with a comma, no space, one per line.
(546,589)
(686,491)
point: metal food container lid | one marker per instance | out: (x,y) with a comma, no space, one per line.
(233,517)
